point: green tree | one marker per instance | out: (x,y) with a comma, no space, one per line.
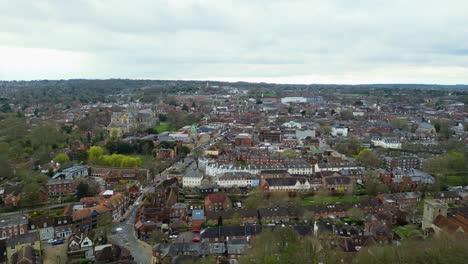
(82,190)
(30,194)
(62,158)
(95,153)
(235,219)
(368,158)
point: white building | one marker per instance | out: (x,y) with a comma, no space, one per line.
(192,179)
(339,131)
(292,124)
(239,179)
(294,168)
(386,142)
(293,100)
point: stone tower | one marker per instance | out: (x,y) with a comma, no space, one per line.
(432,209)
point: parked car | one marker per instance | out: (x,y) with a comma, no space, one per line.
(57,242)
(50,241)
(122,220)
(195,239)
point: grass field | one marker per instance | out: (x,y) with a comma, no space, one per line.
(165,126)
(317,200)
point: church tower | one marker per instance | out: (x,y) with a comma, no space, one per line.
(432,209)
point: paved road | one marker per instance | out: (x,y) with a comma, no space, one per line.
(126,237)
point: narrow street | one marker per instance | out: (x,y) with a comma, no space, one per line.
(123,235)
(123,232)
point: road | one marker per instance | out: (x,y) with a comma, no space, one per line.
(126,237)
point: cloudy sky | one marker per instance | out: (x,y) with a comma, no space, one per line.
(290,41)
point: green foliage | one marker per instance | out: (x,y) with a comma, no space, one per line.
(96,156)
(284,245)
(352,146)
(399,123)
(30,194)
(368,158)
(436,250)
(447,164)
(61,158)
(95,153)
(83,190)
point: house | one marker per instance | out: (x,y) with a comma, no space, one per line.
(44,226)
(425,128)
(198,218)
(236,248)
(179,211)
(192,178)
(290,184)
(168,252)
(71,173)
(79,242)
(13,225)
(414,175)
(402,162)
(26,254)
(233,216)
(339,130)
(217,201)
(237,179)
(60,187)
(337,184)
(386,142)
(243,139)
(400,200)
(16,244)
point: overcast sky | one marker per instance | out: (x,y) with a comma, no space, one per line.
(291,41)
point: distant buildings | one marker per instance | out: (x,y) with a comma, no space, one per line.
(339,130)
(386,142)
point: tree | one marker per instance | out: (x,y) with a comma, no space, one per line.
(82,190)
(440,249)
(399,123)
(197,154)
(356,214)
(372,183)
(61,158)
(254,200)
(30,194)
(185,108)
(346,115)
(235,219)
(368,158)
(95,153)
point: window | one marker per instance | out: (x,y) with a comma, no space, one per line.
(32,226)
(59,222)
(21,230)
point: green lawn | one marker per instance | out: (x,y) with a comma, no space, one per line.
(317,200)
(165,126)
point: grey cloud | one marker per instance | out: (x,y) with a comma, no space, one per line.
(196,39)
